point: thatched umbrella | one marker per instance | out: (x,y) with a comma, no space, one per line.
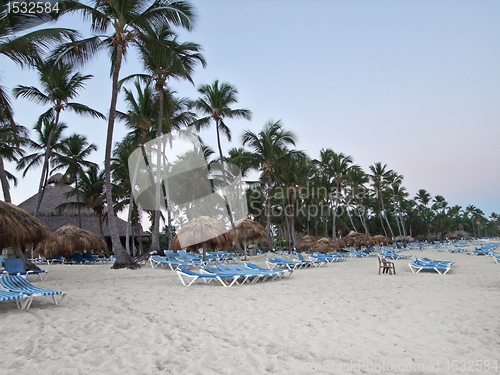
(68,240)
(204,231)
(325,245)
(19,228)
(248,230)
(381,239)
(410,239)
(306,242)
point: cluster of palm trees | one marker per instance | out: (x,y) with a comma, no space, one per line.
(295,195)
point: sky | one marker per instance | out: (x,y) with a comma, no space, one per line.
(411,84)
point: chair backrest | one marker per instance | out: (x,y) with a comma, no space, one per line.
(301,257)
(169,254)
(77,257)
(183,255)
(14,265)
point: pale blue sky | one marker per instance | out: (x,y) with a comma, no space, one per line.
(413,84)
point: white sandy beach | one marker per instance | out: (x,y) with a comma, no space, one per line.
(343,318)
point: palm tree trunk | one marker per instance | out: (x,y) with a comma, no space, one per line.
(99,219)
(123,258)
(155,244)
(78,202)
(268,213)
(5,183)
(45,168)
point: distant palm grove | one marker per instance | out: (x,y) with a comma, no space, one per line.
(294,196)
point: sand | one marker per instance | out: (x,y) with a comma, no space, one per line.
(344,318)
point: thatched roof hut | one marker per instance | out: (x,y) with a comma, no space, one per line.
(68,240)
(381,239)
(202,231)
(19,228)
(306,242)
(55,195)
(356,239)
(325,245)
(247,230)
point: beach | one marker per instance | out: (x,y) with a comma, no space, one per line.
(343,318)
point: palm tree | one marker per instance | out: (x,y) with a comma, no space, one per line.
(240,157)
(143,110)
(424,198)
(336,168)
(379,177)
(89,194)
(35,159)
(357,179)
(128,19)
(24,50)
(164,58)
(74,151)
(269,149)
(10,151)
(60,86)
(215,102)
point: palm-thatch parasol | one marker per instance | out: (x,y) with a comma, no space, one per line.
(248,230)
(325,245)
(68,240)
(19,228)
(411,239)
(381,239)
(356,239)
(306,242)
(204,231)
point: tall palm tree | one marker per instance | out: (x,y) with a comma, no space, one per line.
(424,198)
(269,148)
(143,111)
(163,58)
(357,179)
(59,86)
(215,102)
(24,50)
(89,194)
(127,20)
(336,167)
(39,146)
(73,157)
(379,177)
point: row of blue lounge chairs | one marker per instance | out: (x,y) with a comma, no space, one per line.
(230,274)
(184,259)
(19,289)
(77,258)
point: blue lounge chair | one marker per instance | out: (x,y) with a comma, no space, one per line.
(496,256)
(20,284)
(90,258)
(238,277)
(15,266)
(281,262)
(440,267)
(315,263)
(23,301)
(250,275)
(185,274)
(169,254)
(185,257)
(280,273)
(156,260)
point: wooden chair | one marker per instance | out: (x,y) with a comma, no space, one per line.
(385,266)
